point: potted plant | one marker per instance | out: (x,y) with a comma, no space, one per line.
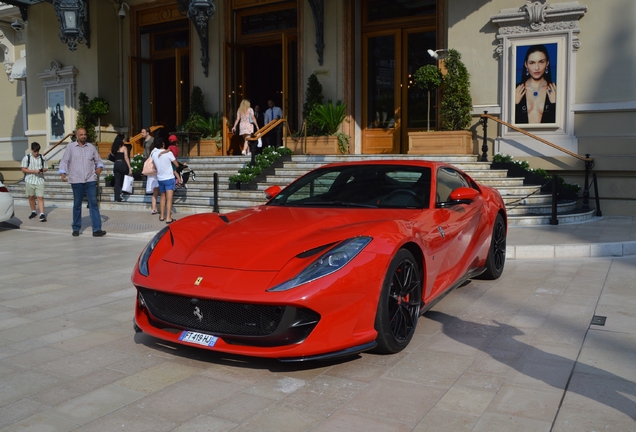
(88,117)
(428,78)
(328,119)
(265,164)
(455,113)
(109,180)
(211,133)
(137,164)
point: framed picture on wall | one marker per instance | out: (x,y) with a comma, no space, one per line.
(537,76)
(57,114)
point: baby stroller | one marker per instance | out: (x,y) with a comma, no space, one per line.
(186,174)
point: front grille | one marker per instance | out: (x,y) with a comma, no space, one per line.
(221,317)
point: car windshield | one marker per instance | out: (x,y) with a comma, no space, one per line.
(360,186)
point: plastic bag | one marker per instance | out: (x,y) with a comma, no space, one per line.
(128,184)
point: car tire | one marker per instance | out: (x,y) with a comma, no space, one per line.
(399,304)
(497,252)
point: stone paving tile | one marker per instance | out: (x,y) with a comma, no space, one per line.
(35,357)
(323,395)
(345,421)
(187,398)
(494,422)
(280,419)
(429,368)
(21,384)
(404,402)
(528,402)
(574,420)
(157,377)
(91,406)
(128,419)
(239,407)
(20,410)
(204,423)
(83,363)
(87,340)
(439,420)
(76,387)
(41,422)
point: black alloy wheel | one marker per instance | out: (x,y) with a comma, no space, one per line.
(399,305)
(497,252)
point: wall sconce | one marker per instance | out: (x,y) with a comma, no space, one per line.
(200,12)
(74,22)
(439,54)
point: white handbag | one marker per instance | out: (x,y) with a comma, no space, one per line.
(128,184)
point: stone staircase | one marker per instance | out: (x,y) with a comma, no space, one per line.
(525,204)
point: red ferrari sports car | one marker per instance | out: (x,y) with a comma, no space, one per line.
(343,260)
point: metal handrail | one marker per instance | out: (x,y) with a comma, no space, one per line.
(587,158)
(589,161)
(58,143)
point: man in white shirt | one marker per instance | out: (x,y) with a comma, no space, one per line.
(34,167)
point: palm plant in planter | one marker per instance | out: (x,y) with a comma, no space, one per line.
(328,118)
(209,127)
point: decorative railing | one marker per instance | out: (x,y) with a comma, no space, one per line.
(589,164)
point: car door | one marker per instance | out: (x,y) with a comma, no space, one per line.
(457,224)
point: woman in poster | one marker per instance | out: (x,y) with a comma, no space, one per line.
(57,122)
(535,95)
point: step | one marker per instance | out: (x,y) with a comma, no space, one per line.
(539,210)
(529,220)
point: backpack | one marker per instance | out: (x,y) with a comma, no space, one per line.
(29,162)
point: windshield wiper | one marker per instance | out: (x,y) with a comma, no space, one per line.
(339,203)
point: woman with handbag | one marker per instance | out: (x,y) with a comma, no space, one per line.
(121,167)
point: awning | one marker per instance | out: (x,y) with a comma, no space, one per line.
(19,69)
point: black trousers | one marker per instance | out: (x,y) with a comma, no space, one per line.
(120,169)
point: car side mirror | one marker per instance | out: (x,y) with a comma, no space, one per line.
(272,191)
(463,195)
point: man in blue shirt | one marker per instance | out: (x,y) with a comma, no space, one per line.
(275,137)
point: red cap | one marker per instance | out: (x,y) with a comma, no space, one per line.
(173,138)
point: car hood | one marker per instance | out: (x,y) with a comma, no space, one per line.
(266,237)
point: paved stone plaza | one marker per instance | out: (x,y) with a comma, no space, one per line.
(516,354)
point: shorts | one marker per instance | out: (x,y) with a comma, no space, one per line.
(166,185)
(151,184)
(34,189)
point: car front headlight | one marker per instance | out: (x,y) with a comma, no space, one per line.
(150,247)
(328,263)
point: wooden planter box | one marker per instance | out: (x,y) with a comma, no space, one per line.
(321,145)
(441,142)
(208,148)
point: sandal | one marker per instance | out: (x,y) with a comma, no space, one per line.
(162,219)
(154,212)
(170,221)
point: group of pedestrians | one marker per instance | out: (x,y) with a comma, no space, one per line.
(81,165)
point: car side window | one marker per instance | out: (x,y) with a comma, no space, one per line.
(448,180)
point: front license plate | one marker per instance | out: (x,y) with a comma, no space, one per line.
(198,338)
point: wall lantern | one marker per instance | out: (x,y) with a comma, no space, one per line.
(74,22)
(200,12)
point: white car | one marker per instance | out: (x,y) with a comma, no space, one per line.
(6,203)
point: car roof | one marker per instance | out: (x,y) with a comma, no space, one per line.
(388,162)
